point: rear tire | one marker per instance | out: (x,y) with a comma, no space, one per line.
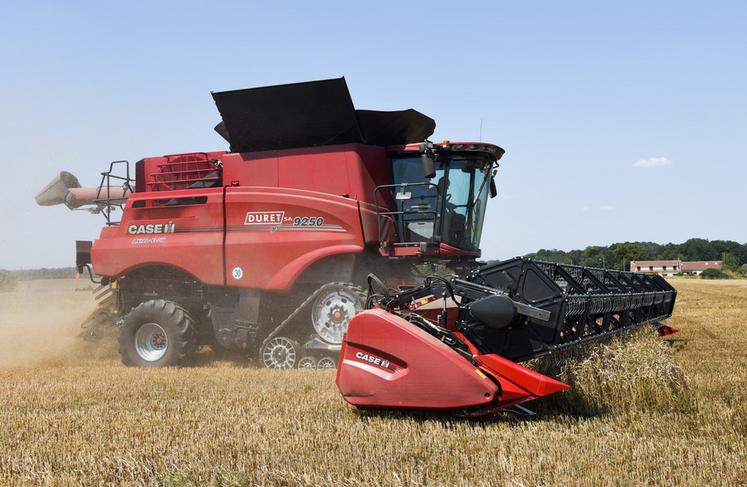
(157,333)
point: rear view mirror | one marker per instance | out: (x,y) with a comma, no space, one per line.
(429,169)
(493,188)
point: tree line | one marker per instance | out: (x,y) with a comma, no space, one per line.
(619,255)
(45,273)
(9,279)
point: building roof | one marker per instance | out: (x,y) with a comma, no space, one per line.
(701,265)
(654,263)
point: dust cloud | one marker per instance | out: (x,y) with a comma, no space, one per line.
(40,324)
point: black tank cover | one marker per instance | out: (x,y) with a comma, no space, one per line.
(310,114)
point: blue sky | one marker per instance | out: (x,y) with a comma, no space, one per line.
(576,92)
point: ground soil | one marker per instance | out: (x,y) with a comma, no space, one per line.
(73,415)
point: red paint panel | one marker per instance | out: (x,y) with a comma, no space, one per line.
(325,173)
(269,255)
(251,169)
(420,371)
(288,232)
(665,330)
(386,362)
(533,382)
(370,222)
(351,169)
(194,245)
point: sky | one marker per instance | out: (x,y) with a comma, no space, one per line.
(621,121)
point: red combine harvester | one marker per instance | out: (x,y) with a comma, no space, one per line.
(267,248)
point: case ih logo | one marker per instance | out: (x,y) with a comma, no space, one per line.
(264,218)
(151,228)
(372,359)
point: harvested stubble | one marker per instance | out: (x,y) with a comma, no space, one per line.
(225,424)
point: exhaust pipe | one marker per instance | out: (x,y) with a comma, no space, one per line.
(65,189)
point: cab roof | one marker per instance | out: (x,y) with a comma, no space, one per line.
(483,147)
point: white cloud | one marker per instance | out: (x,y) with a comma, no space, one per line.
(652,162)
(606,208)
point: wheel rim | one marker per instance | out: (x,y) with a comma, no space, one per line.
(307,363)
(151,342)
(279,353)
(331,314)
(326,363)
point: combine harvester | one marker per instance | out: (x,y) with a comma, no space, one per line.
(267,249)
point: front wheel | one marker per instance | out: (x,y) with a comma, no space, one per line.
(157,333)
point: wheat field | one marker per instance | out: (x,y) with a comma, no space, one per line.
(642,412)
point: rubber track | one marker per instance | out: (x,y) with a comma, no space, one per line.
(357,290)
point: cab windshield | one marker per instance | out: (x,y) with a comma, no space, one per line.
(450,207)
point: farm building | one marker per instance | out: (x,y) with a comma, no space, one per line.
(697,267)
(663,267)
(672,267)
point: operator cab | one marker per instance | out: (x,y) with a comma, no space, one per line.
(436,204)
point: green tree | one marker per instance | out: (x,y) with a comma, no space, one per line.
(620,254)
(731,263)
(698,249)
(713,274)
(552,255)
(625,252)
(596,256)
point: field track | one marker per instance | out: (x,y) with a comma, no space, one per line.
(73,415)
